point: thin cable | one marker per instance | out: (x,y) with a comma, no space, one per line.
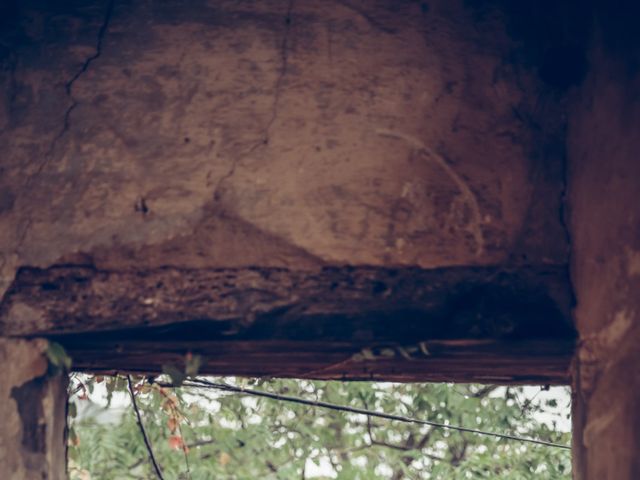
(200,383)
(143,431)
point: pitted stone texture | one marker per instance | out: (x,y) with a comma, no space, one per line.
(269,133)
(33,411)
(604,189)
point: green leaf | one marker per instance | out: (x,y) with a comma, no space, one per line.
(368,354)
(387,352)
(110,385)
(247,430)
(177,376)
(58,357)
(121,384)
(192,365)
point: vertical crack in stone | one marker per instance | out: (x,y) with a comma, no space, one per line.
(101,34)
(564,198)
(23,227)
(12,87)
(563,212)
(69,85)
(284,66)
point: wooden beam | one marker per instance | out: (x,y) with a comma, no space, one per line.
(481,361)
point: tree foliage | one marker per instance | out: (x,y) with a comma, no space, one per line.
(207,434)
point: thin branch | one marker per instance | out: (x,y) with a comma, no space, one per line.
(403,448)
(197,443)
(407,460)
(527,403)
(370,430)
(392,446)
(184,451)
(202,443)
(200,383)
(483,392)
(142,430)
(424,440)
(369,426)
(457,455)
(335,465)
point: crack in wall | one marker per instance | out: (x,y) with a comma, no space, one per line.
(25,226)
(284,66)
(68,87)
(12,90)
(563,212)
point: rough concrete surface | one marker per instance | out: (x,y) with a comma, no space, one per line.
(272,133)
(349,303)
(604,201)
(145,140)
(33,410)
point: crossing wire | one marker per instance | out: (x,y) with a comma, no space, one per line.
(201,383)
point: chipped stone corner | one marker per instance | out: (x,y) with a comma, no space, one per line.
(596,351)
(8,268)
(33,408)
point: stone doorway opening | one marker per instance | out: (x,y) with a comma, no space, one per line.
(280,186)
(278,428)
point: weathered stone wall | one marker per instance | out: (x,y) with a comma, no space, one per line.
(173,151)
(352,171)
(33,410)
(604,187)
(273,133)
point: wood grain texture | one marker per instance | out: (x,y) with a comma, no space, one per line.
(482,361)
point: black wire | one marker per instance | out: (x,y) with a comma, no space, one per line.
(147,443)
(200,383)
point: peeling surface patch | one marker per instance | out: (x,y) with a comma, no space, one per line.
(633,262)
